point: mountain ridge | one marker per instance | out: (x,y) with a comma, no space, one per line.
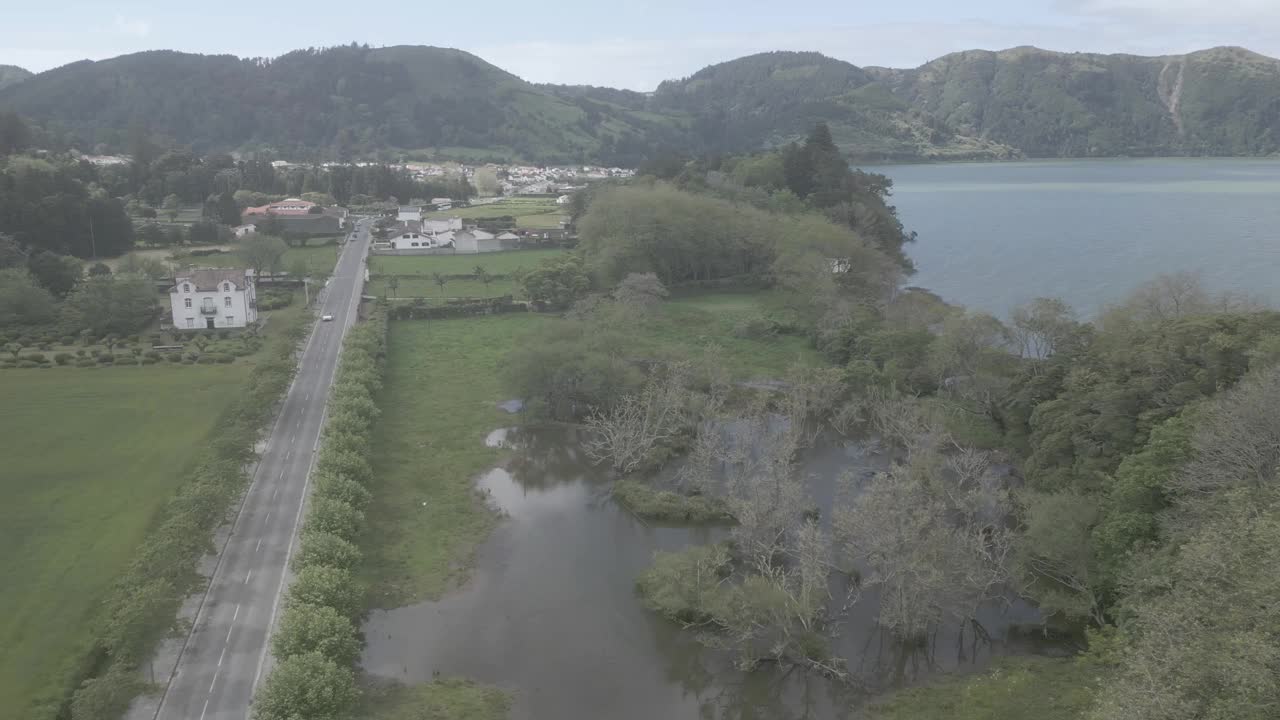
(351,101)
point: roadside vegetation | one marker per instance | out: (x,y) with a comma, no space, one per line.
(317,642)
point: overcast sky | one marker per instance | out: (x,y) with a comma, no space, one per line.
(632,44)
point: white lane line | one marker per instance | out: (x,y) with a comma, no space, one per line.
(233,617)
(267,519)
(206,708)
(233,627)
(246,577)
(281,475)
(275,493)
(258,547)
(215,680)
(287,456)
(223,655)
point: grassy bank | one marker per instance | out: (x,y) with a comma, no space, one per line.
(440,700)
(1017,688)
(438,403)
(90,458)
(425,287)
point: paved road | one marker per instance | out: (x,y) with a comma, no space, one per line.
(223,659)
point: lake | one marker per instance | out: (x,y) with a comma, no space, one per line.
(992,236)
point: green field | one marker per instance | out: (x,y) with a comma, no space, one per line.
(498,263)
(90,456)
(532,213)
(683,323)
(424,286)
(438,403)
(1017,688)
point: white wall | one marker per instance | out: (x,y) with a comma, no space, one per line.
(242,310)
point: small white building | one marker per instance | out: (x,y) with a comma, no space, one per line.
(209,298)
(442,203)
(409,213)
(243,230)
(564,200)
(442,226)
(475,241)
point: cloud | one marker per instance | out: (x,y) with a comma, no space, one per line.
(1179,12)
(640,64)
(132,27)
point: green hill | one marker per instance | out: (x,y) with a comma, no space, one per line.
(354,101)
(11,74)
(1223,101)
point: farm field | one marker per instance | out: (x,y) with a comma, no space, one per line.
(533,213)
(90,456)
(413,286)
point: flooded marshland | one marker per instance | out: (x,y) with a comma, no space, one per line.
(551,614)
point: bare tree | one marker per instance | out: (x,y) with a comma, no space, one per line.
(627,434)
(1041,327)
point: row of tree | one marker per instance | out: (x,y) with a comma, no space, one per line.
(317,643)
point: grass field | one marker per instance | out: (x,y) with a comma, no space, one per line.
(686,323)
(424,286)
(438,403)
(498,263)
(89,458)
(439,700)
(533,213)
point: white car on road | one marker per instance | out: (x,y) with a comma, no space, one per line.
(326,318)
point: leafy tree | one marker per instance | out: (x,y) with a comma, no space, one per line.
(309,686)
(322,548)
(58,274)
(319,585)
(227,209)
(393,284)
(481,274)
(98,269)
(320,629)
(440,280)
(119,304)
(172,206)
(22,301)
(153,235)
(202,233)
(486,182)
(555,281)
(262,252)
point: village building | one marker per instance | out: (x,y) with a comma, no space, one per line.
(297,217)
(213,298)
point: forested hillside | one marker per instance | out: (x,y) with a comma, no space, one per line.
(1223,101)
(10,74)
(357,102)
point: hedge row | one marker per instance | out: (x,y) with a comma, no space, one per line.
(318,642)
(140,608)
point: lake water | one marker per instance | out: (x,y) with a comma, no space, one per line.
(993,236)
(551,614)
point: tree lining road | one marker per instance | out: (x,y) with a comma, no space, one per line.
(225,655)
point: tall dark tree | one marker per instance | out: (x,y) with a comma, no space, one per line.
(58,274)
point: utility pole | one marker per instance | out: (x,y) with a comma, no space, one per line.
(93,240)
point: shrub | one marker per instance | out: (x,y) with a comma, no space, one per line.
(323,548)
(756,327)
(150,360)
(81,353)
(105,359)
(85,362)
(316,628)
(306,686)
(28,364)
(95,352)
(151,355)
(336,487)
(45,346)
(37,357)
(66,340)
(223,334)
(188,361)
(173,357)
(334,516)
(320,585)
(63,358)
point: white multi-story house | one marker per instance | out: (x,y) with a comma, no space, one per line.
(213,298)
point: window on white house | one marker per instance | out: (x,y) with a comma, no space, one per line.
(191,322)
(226,287)
(186,288)
(231,319)
(188,302)
(226,301)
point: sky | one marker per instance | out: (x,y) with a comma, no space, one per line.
(631,44)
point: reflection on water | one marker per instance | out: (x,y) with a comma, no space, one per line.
(551,614)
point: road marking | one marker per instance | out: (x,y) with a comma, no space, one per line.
(281,475)
(274,494)
(228,639)
(206,708)
(267,519)
(224,654)
(287,456)
(233,617)
(246,577)
(258,547)
(215,680)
